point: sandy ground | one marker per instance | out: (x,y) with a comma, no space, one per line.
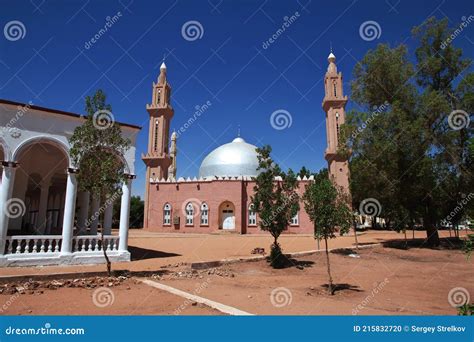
(386,281)
(383,281)
(129,298)
(151,251)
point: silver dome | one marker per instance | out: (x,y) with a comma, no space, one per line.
(233,159)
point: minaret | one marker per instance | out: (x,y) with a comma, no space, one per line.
(173,152)
(158,159)
(334,103)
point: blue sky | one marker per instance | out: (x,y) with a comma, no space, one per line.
(226,65)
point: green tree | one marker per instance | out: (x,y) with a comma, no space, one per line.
(136,212)
(97,149)
(304,172)
(327,208)
(275,200)
(404,152)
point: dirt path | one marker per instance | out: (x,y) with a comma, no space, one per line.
(382,280)
(152,251)
(129,298)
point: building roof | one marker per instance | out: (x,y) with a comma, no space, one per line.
(57,111)
(233,159)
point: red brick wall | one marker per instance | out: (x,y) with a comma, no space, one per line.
(214,194)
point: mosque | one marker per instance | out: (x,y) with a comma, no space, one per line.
(219,199)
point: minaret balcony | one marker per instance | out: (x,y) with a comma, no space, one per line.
(154,155)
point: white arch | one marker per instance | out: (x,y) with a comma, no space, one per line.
(45,140)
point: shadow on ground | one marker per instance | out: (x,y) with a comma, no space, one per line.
(450,243)
(287,262)
(342,287)
(138,253)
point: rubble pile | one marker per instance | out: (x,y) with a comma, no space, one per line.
(38,286)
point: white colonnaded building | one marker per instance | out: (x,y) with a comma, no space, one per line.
(44,219)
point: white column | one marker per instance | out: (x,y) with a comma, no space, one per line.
(69,211)
(8,178)
(43,207)
(124,215)
(109,209)
(83,212)
(94,215)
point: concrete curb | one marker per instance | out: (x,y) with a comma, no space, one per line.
(212,264)
(195,265)
(215,305)
(52,276)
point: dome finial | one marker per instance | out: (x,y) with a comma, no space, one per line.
(238,131)
(163,65)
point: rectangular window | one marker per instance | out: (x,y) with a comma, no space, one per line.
(204,218)
(295,220)
(252,217)
(167,217)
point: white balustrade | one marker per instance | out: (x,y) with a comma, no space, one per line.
(93,243)
(33,244)
(50,244)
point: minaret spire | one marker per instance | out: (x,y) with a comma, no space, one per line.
(158,158)
(162,77)
(334,104)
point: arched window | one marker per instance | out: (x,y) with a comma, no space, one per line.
(335,92)
(295,220)
(167,214)
(252,216)
(204,214)
(159,96)
(189,214)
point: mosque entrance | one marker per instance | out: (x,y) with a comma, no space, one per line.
(227,216)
